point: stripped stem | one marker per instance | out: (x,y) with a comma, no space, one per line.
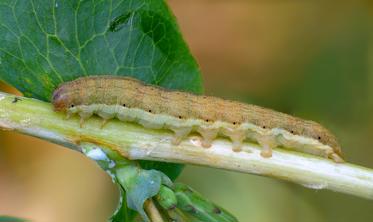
(132,141)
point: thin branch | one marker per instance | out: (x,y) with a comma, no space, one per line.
(152,211)
(132,141)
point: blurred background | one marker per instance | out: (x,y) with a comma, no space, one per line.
(312,59)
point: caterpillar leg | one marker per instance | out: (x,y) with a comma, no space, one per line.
(180,134)
(208,135)
(70,112)
(81,122)
(106,113)
(266,151)
(103,123)
(237,146)
(336,158)
(84,115)
(267,143)
(237,138)
(68,115)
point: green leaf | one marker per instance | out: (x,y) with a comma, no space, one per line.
(172,170)
(11,219)
(140,185)
(44,43)
(136,185)
(109,160)
(195,205)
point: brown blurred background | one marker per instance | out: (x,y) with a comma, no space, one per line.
(313,59)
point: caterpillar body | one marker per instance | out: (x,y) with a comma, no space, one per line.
(183,113)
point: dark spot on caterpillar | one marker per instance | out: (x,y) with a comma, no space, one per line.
(150,110)
(16,99)
(234,123)
(207,120)
(292,132)
(180,117)
(264,127)
(217,210)
(124,105)
(319,138)
(72,106)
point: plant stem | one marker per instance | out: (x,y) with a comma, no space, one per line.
(133,141)
(152,211)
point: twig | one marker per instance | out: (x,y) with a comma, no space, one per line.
(132,141)
(152,211)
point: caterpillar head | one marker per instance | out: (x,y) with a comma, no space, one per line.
(60,100)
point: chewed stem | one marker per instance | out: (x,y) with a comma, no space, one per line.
(37,118)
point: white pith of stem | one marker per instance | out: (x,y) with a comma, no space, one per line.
(36,118)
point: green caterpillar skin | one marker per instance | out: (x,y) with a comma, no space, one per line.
(130,100)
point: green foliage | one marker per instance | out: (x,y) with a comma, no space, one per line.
(45,43)
(11,219)
(110,161)
(140,185)
(167,198)
(193,204)
(136,185)
(172,170)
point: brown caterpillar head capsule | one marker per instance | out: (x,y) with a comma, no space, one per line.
(60,100)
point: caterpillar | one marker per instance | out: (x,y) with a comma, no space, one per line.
(184,113)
